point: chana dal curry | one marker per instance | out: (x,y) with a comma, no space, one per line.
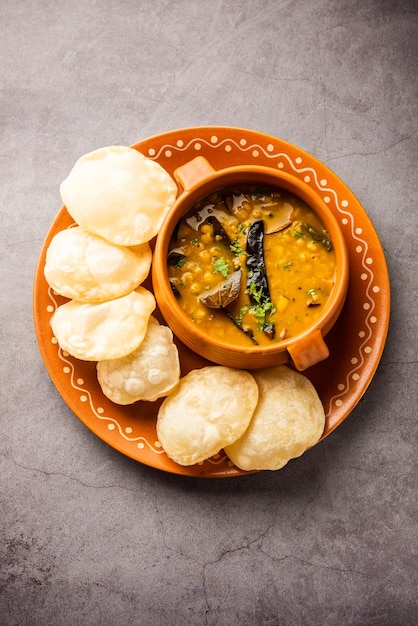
(252,265)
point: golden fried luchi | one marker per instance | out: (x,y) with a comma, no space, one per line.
(119,194)
(103,330)
(87,268)
(210,408)
(289,419)
(150,372)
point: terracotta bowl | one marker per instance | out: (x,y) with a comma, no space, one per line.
(197,179)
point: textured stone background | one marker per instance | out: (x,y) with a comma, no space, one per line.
(90,537)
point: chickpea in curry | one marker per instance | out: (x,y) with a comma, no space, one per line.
(252,265)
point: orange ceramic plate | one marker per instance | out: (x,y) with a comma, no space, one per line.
(356,342)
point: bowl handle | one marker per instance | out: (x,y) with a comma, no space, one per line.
(193,172)
(308,351)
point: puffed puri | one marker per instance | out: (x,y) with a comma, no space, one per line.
(288,420)
(103,330)
(150,372)
(209,409)
(120,194)
(87,268)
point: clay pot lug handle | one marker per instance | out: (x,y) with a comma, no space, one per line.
(308,351)
(193,172)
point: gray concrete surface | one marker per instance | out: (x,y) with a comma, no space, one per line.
(90,537)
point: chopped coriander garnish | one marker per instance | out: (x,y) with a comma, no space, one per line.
(260,312)
(262,308)
(180,262)
(243,310)
(236,248)
(256,293)
(221,266)
(288,265)
(296,233)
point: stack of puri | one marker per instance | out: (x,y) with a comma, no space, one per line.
(118,199)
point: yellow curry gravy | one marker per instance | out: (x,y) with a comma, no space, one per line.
(211,273)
